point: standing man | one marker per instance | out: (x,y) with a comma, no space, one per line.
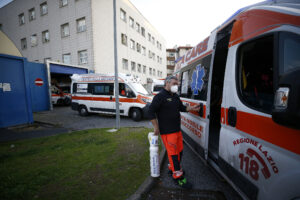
(164,113)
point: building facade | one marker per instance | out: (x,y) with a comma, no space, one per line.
(173,55)
(80,32)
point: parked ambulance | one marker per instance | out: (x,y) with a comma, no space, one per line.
(246,77)
(95,93)
(157,86)
(60,95)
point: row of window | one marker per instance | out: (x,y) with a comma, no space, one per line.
(139,68)
(43,11)
(139,29)
(66,58)
(65,32)
(139,48)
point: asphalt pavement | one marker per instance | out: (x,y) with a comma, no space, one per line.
(64,120)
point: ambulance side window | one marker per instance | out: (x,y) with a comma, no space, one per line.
(255,73)
(102,88)
(122,90)
(194,80)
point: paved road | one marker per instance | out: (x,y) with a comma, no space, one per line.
(64,120)
(207,184)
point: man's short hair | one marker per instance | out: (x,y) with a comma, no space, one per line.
(169,78)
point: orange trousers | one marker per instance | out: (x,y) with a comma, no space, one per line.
(174,146)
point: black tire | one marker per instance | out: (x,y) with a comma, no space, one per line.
(83,111)
(136,114)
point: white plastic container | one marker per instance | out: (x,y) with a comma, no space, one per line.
(154,155)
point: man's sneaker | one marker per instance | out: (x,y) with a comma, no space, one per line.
(182,182)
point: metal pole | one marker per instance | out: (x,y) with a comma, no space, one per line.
(116,68)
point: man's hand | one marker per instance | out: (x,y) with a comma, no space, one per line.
(193,108)
(155,125)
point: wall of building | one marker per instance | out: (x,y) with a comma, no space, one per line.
(52,21)
(103,49)
(7,46)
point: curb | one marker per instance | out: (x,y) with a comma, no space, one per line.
(149,182)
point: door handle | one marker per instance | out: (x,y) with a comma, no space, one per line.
(201,110)
(110,98)
(232,116)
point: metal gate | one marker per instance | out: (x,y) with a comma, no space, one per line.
(15,99)
(39,87)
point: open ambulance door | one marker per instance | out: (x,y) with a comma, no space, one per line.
(216,90)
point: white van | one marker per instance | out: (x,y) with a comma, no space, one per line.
(157,86)
(246,77)
(95,93)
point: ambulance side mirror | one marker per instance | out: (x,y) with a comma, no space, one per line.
(286,108)
(130,94)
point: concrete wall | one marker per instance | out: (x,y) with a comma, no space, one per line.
(52,21)
(103,48)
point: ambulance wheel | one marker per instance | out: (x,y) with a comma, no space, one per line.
(136,114)
(83,111)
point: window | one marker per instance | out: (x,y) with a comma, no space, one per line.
(124,39)
(143,31)
(83,57)
(101,88)
(138,47)
(255,64)
(131,22)
(63,3)
(144,51)
(23,43)
(66,58)
(123,15)
(125,64)
(289,47)
(137,27)
(132,44)
(33,40)
(21,19)
(44,8)
(153,40)
(153,56)
(65,30)
(149,37)
(139,69)
(81,27)
(158,59)
(133,66)
(150,71)
(153,72)
(157,44)
(125,90)
(45,36)
(47,59)
(31,14)
(144,69)
(196,88)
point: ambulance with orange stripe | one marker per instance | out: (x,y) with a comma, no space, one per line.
(246,77)
(95,93)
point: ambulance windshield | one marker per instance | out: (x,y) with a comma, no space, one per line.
(140,88)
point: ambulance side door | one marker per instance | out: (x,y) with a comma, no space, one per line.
(193,90)
(102,97)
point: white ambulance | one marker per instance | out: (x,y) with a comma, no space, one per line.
(95,93)
(246,77)
(157,86)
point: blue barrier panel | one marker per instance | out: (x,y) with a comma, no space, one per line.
(38,81)
(15,99)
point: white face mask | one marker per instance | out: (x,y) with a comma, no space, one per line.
(174,88)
